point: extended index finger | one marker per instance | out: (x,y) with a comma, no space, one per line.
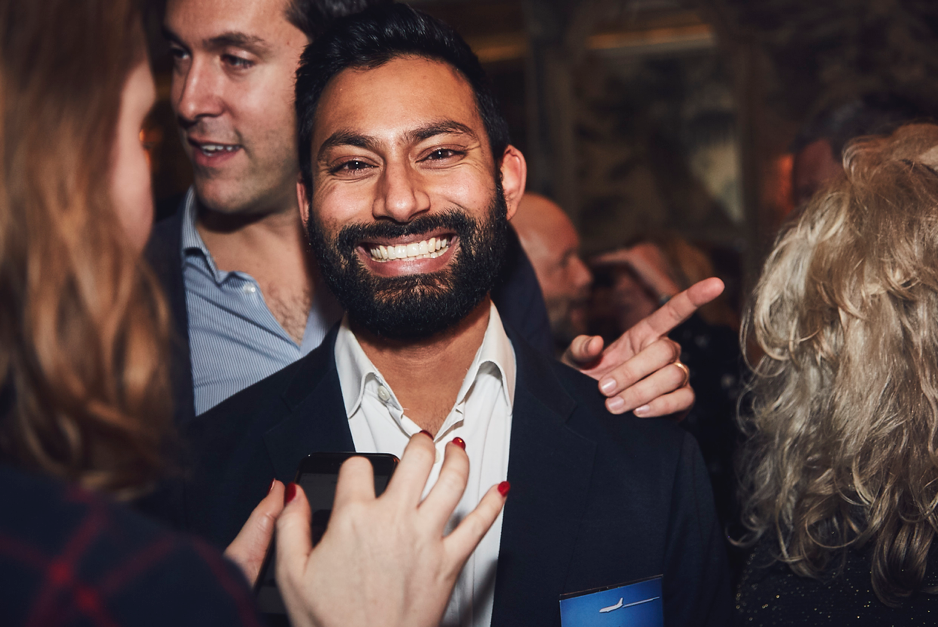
(676,311)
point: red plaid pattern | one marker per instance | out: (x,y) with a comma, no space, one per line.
(70,557)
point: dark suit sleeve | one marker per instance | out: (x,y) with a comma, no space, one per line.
(697,587)
(519,300)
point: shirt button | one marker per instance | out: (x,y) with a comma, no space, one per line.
(383,394)
(249,289)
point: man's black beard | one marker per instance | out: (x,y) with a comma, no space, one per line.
(422,305)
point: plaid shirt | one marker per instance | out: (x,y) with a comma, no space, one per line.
(70,557)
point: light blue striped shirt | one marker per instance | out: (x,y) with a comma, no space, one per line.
(234,340)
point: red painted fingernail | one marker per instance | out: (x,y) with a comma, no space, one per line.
(426,433)
(503,488)
(460,443)
(272,484)
(290,493)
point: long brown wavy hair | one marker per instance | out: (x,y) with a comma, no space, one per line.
(843,449)
(83,390)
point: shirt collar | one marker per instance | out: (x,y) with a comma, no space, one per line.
(495,355)
(192,242)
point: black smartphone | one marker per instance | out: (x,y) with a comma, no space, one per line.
(318,475)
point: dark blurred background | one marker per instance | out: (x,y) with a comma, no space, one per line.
(639,116)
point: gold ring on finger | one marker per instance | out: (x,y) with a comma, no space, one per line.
(686,370)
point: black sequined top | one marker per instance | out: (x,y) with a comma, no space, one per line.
(771,594)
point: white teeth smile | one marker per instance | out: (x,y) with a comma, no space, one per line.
(427,249)
(211,149)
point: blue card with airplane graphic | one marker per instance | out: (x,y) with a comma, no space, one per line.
(635,604)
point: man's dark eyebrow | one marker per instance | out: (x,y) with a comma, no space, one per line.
(237,40)
(232,38)
(440,128)
(170,35)
(347,138)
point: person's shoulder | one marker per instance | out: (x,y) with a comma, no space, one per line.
(101,557)
(167,228)
(770,591)
(592,417)
(271,398)
(164,247)
(652,452)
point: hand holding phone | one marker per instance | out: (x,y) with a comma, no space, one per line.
(382,560)
(317,475)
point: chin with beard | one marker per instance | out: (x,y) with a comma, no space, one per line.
(422,305)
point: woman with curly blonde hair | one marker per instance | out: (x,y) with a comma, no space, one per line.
(840,475)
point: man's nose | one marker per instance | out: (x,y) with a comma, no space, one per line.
(195,94)
(582,277)
(401,196)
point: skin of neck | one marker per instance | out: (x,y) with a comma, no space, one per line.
(427,374)
(271,246)
(241,236)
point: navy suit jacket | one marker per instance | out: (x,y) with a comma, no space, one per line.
(516,294)
(595,499)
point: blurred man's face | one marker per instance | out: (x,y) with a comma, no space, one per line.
(565,281)
(232,92)
(407,219)
(552,244)
(631,300)
(814,167)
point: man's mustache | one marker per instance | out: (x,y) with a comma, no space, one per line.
(353,235)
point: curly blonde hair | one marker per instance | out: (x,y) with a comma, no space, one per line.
(83,390)
(843,429)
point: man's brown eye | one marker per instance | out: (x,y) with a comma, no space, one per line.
(350,166)
(442,153)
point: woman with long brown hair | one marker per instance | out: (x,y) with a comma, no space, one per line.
(83,389)
(841,471)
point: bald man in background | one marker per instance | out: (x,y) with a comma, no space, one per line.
(552,244)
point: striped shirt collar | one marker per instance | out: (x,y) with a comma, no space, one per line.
(192,242)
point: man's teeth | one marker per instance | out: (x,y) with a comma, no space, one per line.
(427,249)
(211,149)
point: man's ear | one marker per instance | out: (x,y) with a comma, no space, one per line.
(302,200)
(514,171)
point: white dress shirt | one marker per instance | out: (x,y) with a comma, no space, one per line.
(481,417)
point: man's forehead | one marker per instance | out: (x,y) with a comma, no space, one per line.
(402,95)
(257,20)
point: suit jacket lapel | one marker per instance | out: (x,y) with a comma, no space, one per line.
(164,254)
(317,421)
(549,469)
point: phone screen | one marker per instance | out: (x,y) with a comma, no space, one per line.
(318,475)
(320,490)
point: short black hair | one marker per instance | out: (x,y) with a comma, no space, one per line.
(876,113)
(371,38)
(314,17)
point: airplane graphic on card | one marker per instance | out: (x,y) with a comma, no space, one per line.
(636,604)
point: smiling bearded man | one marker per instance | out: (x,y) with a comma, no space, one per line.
(414,305)
(408,179)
